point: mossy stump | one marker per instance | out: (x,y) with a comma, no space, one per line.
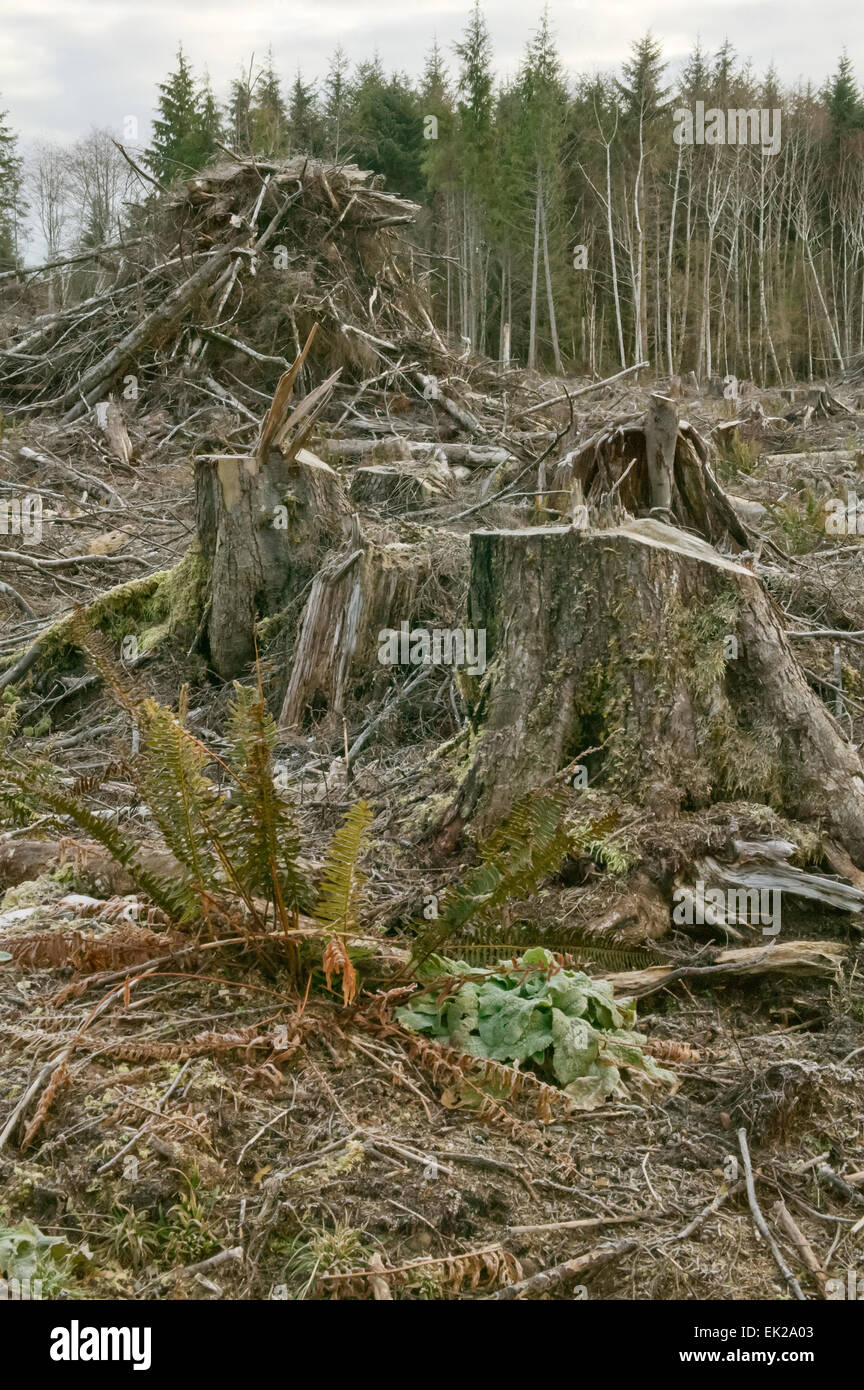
(660,662)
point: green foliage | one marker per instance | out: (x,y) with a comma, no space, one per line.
(801,519)
(264,838)
(340,895)
(26,1253)
(530,845)
(183,132)
(234,841)
(562,1023)
(12,203)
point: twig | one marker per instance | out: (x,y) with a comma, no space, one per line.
(760,1221)
(570,1269)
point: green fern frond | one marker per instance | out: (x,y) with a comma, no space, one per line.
(527,848)
(101,658)
(172,895)
(341,888)
(264,841)
(185,804)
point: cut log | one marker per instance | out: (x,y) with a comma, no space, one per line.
(263,530)
(646,641)
(800,958)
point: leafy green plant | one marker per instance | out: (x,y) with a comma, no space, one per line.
(28,1255)
(569,1028)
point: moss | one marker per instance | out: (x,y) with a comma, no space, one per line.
(181,596)
(159,607)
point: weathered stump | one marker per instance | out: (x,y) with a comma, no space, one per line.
(263,530)
(352,599)
(657,461)
(661,663)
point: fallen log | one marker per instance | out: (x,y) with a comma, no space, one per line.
(798,958)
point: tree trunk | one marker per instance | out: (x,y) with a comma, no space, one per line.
(263,530)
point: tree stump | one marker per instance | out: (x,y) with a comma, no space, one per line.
(655,461)
(668,660)
(263,530)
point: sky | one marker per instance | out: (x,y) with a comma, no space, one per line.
(68,65)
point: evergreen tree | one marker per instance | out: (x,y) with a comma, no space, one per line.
(337,99)
(179,141)
(12,204)
(475,91)
(238,116)
(723,74)
(269,113)
(211,118)
(304,120)
(641,90)
(843,99)
(389,133)
(696,75)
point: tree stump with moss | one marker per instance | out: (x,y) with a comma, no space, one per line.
(667,659)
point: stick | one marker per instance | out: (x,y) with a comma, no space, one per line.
(801,1243)
(570,1269)
(761,1223)
(66,562)
(584,1223)
(16,598)
(585,390)
(722,1196)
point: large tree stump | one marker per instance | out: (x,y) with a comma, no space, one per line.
(644,643)
(263,530)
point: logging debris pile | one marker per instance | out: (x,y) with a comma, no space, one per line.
(209,287)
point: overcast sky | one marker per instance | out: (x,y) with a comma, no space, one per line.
(66,65)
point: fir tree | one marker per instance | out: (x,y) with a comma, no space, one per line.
(211,118)
(843,99)
(336,103)
(12,204)
(269,113)
(238,116)
(304,122)
(179,141)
